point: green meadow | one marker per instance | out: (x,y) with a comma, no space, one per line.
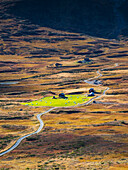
(72,100)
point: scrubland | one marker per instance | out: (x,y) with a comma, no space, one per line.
(93,136)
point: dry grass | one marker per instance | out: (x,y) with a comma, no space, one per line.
(87,137)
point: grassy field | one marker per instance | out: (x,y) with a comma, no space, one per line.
(71,100)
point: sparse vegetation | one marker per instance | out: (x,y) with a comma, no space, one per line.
(87,137)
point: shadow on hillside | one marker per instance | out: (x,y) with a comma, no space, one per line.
(67,142)
(91,17)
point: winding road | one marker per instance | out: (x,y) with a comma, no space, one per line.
(39,115)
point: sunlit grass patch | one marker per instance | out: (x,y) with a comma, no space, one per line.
(71,100)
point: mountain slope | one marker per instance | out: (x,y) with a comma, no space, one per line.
(93,17)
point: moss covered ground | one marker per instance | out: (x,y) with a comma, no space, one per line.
(71,100)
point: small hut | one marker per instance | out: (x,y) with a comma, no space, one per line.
(62,95)
(91,94)
(58,65)
(91,90)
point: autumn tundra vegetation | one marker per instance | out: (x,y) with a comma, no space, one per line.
(77,134)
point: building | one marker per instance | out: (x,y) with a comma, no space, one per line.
(62,95)
(91,90)
(91,94)
(58,65)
